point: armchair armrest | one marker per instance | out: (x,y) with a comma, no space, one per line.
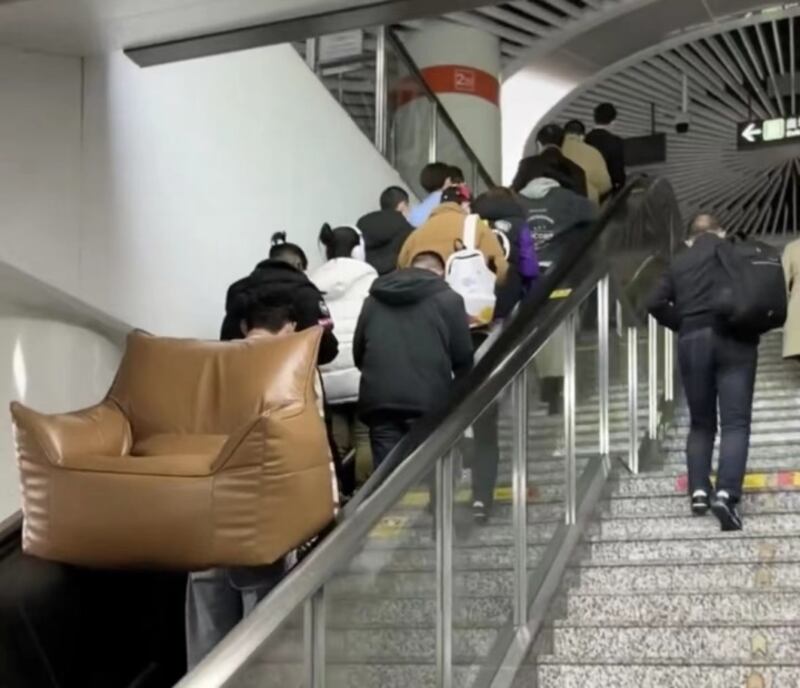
(101,430)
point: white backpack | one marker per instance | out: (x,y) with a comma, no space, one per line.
(468,274)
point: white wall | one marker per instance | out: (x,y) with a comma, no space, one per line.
(526,98)
(52,367)
(189,168)
(40,164)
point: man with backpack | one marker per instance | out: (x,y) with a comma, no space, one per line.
(444,234)
(475,266)
(720,298)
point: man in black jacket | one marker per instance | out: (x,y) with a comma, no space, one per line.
(611,146)
(718,368)
(278,275)
(411,339)
(551,163)
(386,230)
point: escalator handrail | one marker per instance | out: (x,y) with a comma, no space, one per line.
(416,455)
(441,110)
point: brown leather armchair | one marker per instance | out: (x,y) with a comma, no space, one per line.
(202,454)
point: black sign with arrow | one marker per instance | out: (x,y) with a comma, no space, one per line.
(768,132)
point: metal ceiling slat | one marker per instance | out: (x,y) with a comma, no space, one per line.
(533,9)
(755,83)
(479,22)
(794,196)
(770,68)
(766,207)
(515,21)
(778,47)
(719,68)
(748,45)
(566,7)
(703,78)
(793,66)
(787,175)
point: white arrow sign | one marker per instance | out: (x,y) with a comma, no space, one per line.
(750,133)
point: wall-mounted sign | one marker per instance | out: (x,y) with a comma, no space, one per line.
(341,46)
(768,132)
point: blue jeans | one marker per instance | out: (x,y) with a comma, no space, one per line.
(718,370)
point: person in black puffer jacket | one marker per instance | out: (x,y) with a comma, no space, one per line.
(386,230)
(283,271)
(500,208)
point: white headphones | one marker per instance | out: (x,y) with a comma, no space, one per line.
(359,252)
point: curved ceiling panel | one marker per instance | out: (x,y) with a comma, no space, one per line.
(747,71)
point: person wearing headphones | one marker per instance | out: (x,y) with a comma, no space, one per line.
(345,280)
(283,272)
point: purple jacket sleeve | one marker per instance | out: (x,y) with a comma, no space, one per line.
(528,260)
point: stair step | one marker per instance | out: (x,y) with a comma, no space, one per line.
(714,644)
(762,502)
(487,583)
(681,608)
(669,676)
(413,612)
(689,527)
(720,549)
(686,577)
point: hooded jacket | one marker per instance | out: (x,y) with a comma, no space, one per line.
(411,338)
(441,233)
(345,283)
(384,233)
(554,215)
(507,215)
(269,277)
(553,164)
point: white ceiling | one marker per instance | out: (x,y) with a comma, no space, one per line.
(80,27)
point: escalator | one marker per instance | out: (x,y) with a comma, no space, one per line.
(408,590)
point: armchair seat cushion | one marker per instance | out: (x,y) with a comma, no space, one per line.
(167,444)
(186,465)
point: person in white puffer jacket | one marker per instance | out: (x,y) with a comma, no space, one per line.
(345,280)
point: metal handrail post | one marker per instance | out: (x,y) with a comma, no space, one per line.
(669,365)
(604,363)
(445,468)
(381,92)
(314,639)
(633,399)
(520,498)
(652,378)
(570,329)
(433,141)
(311,53)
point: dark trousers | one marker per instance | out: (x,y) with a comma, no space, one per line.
(718,370)
(485,454)
(385,432)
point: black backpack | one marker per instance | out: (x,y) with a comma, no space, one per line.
(753,296)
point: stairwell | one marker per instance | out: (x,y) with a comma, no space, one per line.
(658,598)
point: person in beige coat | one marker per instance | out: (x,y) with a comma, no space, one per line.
(791,330)
(598,180)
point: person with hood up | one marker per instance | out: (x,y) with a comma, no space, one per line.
(501,209)
(345,279)
(386,230)
(283,271)
(411,339)
(554,215)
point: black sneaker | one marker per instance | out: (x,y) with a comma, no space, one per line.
(480,513)
(725,510)
(700,503)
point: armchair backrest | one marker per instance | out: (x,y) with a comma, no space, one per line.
(179,386)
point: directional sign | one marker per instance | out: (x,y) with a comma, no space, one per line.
(768,132)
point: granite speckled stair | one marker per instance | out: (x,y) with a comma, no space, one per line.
(656,598)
